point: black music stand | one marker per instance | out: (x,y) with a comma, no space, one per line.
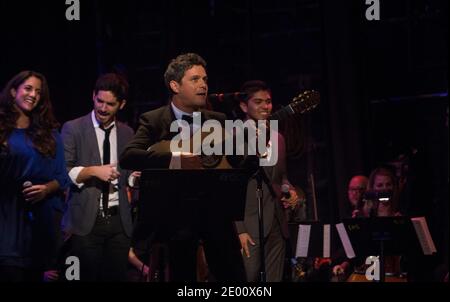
(303,265)
(382,236)
(169,199)
(164,193)
(315,246)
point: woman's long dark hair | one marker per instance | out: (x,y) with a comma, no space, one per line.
(42,120)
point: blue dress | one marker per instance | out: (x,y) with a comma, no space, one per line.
(27,232)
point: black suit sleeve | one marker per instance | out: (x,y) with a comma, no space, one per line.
(136,155)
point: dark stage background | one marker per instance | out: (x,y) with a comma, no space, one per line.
(383,83)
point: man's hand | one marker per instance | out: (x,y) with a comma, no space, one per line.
(136,174)
(356,213)
(106,172)
(51,276)
(245,240)
(340,268)
(145,271)
(190,161)
(291,202)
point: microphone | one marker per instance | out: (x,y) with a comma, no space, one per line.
(27,206)
(27,184)
(285,191)
(239,96)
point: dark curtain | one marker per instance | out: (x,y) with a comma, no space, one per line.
(343,97)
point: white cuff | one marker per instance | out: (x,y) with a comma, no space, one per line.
(175,161)
(131,181)
(73,174)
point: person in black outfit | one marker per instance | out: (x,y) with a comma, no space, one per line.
(186,80)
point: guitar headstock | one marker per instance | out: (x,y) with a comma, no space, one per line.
(305,101)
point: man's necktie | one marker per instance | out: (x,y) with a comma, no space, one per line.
(106,161)
(189,119)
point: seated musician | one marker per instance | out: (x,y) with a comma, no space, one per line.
(381,182)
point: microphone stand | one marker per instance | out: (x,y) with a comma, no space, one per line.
(261,177)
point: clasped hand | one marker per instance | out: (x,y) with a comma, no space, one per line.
(292,201)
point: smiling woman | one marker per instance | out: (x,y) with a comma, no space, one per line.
(25,104)
(31,176)
(27,97)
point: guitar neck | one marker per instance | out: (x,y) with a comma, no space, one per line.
(282,113)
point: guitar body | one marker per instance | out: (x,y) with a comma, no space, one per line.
(195,144)
(189,147)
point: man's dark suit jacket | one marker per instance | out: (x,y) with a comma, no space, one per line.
(155,127)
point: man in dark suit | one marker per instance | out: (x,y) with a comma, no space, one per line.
(186,80)
(98,216)
(258,107)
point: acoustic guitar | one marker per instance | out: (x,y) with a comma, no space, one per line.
(302,103)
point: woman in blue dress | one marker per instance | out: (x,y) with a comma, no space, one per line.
(32,178)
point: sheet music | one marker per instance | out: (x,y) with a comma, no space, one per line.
(424,236)
(304,232)
(345,240)
(326,241)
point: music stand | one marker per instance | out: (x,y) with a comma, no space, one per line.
(164,192)
(382,236)
(169,199)
(317,242)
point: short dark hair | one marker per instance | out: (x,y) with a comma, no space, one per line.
(250,87)
(178,66)
(115,83)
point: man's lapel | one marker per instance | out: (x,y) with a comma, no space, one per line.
(167,117)
(91,139)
